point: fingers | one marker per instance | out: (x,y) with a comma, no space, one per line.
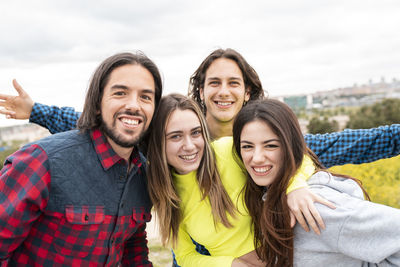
(18,87)
(292,219)
(317,217)
(311,220)
(308,216)
(5,97)
(323,201)
(300,219)
(9,114)
(3,103)
(312,215)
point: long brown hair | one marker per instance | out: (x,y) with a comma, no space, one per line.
(160,183)
(251,80)
(271,221)
(90,117)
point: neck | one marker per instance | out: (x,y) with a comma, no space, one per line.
(218,129)
(123,152)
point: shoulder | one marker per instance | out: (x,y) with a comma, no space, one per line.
(223,147)
(225,154)
(223,143)
(63,141)
(27,153)
(324,182)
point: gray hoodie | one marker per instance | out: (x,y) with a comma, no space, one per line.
(358,232)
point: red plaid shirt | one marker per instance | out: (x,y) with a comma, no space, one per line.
(39,226)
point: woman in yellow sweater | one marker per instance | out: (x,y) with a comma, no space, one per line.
(196,192)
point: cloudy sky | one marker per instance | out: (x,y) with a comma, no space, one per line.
(296,46)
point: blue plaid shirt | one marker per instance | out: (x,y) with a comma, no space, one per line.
(348,146)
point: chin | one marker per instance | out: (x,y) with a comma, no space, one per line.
(194,168)
(225,118)
(261,182)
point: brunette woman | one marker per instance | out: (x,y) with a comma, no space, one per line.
(268,140)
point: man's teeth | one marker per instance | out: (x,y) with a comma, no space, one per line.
(189,157)
(129,121)
(262,169)
(224,103)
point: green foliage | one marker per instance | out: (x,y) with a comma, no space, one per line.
(317,125)
(381,179)
(381,113)
(300,113)
(8,150)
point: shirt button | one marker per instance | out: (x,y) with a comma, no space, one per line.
(122,177)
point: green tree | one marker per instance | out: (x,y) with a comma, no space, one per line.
(318,125)
(381,113)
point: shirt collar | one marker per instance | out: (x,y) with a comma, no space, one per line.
(107,155)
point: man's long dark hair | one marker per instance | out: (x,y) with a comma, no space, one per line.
(91,117)
(251,80)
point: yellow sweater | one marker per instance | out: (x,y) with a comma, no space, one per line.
(224,244)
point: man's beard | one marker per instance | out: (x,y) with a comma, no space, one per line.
(112,133)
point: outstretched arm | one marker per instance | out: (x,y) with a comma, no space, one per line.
(355,146)
(16,107)
(22,107)
(54,118)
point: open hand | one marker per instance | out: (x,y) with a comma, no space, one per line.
(16,107)
(302,208)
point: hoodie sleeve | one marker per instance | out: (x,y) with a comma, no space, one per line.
(356,230)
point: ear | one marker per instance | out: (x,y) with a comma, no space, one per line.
(201,91)
(247,94)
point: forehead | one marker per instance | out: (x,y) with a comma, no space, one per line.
(181,120)
(132,76)
(224,68)
(257,130)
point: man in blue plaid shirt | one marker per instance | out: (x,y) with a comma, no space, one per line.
(222,84)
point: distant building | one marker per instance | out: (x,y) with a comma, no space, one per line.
(296,102)
(356,95)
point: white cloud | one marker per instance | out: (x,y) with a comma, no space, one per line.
(295,46)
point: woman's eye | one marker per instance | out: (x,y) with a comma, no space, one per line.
(271,146)
(174,136)
(196,133)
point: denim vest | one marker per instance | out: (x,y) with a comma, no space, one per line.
(78,178)
(89,202)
